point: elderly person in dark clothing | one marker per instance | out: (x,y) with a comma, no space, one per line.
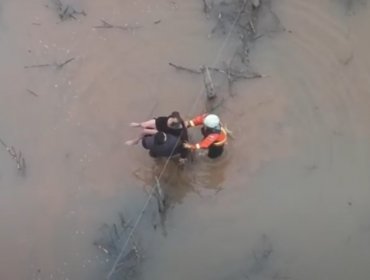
(164,145)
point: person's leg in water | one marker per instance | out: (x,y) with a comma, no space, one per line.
(146,131)
(147,124)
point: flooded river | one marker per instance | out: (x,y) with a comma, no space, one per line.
(289,199)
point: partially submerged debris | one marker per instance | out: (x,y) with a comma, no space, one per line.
(32,93)
(54,64)
(238,18)
(66,11)
(179,67)
(60,65)
(17,156)
(110,244)
(206,7)
(125,27)
(159,196)
(208,83)
(230,73)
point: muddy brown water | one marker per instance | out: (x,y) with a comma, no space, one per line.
(290,198)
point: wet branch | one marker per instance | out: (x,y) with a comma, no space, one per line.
(64,63)
(38,65)
(236,75)
(17,156)
(207,79)
(125,27)
(231,74)
(228,71)
(178,67)
(32,92)
(206,7)
(66,11)
(56,65)
(112,240)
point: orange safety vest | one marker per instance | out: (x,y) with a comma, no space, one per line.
(217,139)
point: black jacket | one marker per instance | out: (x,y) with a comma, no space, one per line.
(161,125)
(172,146)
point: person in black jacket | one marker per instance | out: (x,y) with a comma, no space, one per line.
(164,145)
(172,124)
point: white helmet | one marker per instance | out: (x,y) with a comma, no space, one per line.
(212,121)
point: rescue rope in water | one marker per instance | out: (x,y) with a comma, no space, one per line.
(139,217)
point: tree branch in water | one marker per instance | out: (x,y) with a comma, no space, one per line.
(18,157)
(56,65)
(125,27)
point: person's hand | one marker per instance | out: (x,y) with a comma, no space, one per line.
(135,124)
(187,145)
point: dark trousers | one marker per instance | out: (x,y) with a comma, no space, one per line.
(215,151)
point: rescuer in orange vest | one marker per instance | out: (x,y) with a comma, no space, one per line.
(215,136)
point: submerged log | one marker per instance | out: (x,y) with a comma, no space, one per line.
(159,196)
(208,83)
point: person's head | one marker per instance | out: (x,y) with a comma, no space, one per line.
(212,121)
(175,121)
(160,138)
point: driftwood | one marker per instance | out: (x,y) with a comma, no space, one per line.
(32,93)
(251,24)
(238,17)
(206,7)
(236,75)
(56,65)
(64,63)
(17,156)
(232,73)
(66,11)
(38,65)
(159,196)
(178,67)
(110,243)
(229,72)
(125,27)
(208,82)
